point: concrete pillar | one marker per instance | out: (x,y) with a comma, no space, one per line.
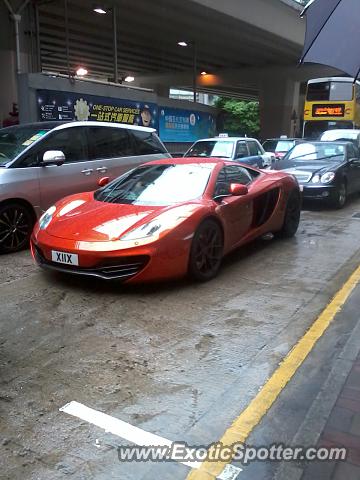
(279,107)
(160,90)
(8,77)
(8,87)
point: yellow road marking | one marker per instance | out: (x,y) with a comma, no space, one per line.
(259,406)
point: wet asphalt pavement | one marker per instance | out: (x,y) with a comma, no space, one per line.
(180,360)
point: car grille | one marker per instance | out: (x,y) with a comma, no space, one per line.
(109,269)
(301,177)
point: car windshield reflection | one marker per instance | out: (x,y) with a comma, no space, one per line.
(14,140)
(317,151)
(211,148)
(158,185)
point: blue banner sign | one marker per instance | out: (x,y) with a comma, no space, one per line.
(55,105)
(178,125)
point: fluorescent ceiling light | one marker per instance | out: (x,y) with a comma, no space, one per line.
(100,10)
(81,72)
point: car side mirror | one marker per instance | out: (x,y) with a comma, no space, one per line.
(53,157)
(355,162)
(238,189)
(103,181)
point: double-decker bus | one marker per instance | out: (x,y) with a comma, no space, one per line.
(330,103)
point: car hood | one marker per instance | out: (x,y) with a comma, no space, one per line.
(85,219)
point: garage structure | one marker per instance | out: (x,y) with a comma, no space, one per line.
(239,52)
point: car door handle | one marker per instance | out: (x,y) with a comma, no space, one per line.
(87,171)
(101,169)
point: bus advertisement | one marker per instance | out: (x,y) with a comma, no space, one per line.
(331,103)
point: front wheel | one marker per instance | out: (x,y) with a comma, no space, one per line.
(292,215)
(16,224)
(340,196)
(206,251)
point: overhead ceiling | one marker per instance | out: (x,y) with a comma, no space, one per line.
(148,32)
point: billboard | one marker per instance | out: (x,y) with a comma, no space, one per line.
(179,125)
(56,105)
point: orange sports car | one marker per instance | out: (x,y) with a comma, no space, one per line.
(166,219)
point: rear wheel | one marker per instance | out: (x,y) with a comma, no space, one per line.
(340,196)
(16,223)
(206,251)
(292,215)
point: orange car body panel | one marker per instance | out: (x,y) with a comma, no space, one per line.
(93,229)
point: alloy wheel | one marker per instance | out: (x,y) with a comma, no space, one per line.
(207,251)
(15,228)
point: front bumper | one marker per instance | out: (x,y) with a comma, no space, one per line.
(113,269)
(160,260)
(317,192)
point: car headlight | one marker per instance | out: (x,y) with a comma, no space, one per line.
(160,224)
(327,177)
(46,217)
(316,179)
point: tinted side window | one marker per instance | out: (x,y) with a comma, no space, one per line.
(221,186)
(237,174)
(241,150)
(147,143)
(108,142)
(352,151)
(254,148)
(232,174)
(71,141)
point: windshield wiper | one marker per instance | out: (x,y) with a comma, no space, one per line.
(312,153)
(330,156)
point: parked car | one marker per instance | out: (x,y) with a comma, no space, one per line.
(327,171)
(43,162)
(166,219)
(242,149)
(342,134)
(280,146)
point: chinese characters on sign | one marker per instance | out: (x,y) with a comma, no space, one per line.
(109,113)
(173,124)
(177,125)
(328,110)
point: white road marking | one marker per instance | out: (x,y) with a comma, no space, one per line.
(133,434)
(230,472)
(119,428)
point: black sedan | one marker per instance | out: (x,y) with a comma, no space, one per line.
(327,171)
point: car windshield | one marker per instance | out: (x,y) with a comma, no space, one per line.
(278,145)
(317,151)
(13,140)
(336,135)
(158,185)
(211,148)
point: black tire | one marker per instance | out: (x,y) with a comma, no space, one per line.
(206,251)
(16,223)
(292,215)
(340,196)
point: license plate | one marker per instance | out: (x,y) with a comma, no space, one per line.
(66,258)
(301,188)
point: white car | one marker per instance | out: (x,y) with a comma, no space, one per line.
(341,134)
(242,149)
(40,163)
